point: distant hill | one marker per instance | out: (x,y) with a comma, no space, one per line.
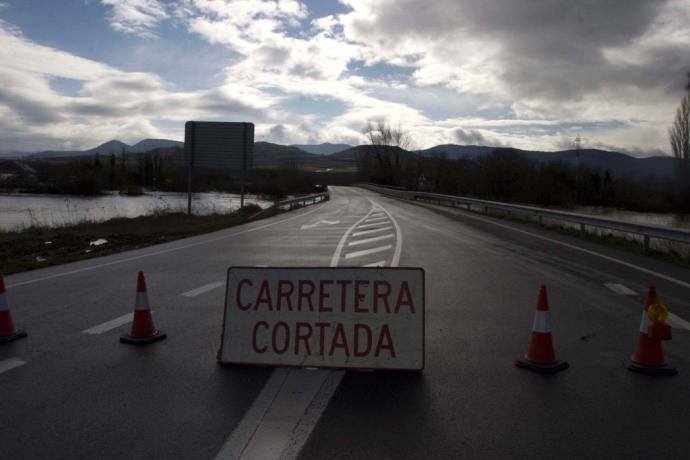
(322,149)
(619,163)
(113,146)
(269,155)
(150,144)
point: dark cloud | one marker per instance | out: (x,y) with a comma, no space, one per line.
(474,137)
(548,49)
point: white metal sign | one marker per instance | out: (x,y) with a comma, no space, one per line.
(363,318)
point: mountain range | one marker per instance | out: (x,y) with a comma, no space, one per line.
(338,156)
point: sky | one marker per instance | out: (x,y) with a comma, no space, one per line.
(522,73)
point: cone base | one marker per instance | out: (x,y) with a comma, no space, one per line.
(654,370)
(18,334)
(542,368)
(130,340)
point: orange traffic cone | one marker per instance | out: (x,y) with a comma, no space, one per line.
(649,357)
(541,357)
(8,332)
(143,330)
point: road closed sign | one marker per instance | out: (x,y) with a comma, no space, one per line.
(361,318)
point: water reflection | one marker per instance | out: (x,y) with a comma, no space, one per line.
(19,211)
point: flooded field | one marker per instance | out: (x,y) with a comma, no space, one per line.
(18,211)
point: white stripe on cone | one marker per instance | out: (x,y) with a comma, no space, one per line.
(142,302)
(541,321)
(644,322)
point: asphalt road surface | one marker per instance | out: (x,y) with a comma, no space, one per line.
(71,390)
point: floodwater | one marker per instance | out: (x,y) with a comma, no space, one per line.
(19,211)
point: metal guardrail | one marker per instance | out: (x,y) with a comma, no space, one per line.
(292,203)
(647,231)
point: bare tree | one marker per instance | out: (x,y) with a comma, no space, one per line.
(388,147)
(679,133)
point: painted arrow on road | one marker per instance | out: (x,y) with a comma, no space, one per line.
(321,222)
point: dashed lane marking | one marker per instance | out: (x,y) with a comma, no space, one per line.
(678,322)
(109,325)
(620,289)
(204,288)
(371,240)
(369,232)
(380,263)
(366,252)
(9,364)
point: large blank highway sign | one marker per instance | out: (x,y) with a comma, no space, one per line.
(363,318)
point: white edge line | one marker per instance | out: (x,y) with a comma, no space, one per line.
(9,364)
(163,251)
(586,251)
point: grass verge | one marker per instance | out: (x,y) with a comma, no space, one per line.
(39,247)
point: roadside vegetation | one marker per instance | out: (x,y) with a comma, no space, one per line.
(38,247)
(507,175)
(160,169)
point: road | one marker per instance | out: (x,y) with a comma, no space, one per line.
(70,390)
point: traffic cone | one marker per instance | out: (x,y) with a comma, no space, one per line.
(541,357)
(143,330)
(8,332)
(649,357)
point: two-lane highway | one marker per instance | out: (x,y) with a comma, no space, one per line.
(70,390)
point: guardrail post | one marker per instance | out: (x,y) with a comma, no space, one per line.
(541,221)
(469,207)
(582,228)
(486,210)
(646,244)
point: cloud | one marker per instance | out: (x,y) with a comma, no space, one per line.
(136,17)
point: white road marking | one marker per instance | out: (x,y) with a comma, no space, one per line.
(341,243)
(369,232)
(366,252)
(108,325)
(164,251)
(380,263)
(620,289)
(9,364)
(377,214)
(371,240)
(204,288)
(372,225)
(320,222)
(375,219)
(282,417)
(678,322)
